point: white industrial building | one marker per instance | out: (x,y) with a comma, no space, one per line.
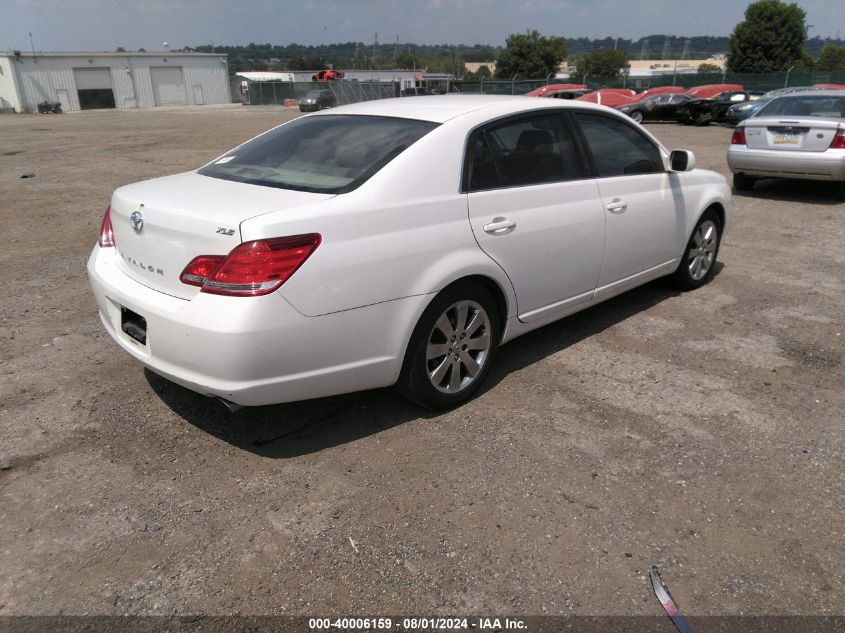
(81,81)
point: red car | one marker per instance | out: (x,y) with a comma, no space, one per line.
(645,94)
(327,75)
(711,90)
(611,97)
(548,91)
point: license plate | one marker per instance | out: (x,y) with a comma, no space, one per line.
(787,139)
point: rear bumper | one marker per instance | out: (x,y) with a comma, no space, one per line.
(255,350)
(828,165)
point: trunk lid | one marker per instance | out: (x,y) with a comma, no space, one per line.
(184,216)
(791,134)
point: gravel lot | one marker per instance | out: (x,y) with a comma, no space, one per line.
(699,432)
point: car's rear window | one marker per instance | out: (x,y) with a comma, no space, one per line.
(323,154)
(811,105)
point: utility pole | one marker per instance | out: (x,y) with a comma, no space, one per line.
(375,50)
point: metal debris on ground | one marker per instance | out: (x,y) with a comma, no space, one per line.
(669,605)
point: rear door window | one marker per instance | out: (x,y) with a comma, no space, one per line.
(617,148)
(526,151)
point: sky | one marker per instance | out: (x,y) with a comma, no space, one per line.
(103,25)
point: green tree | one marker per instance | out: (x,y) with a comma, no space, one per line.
(831,58)
(483,72)
(360,60)
(530,55)
(709,68)
(770,39)
(409,60)
(306,63)
(607,64)
(806,64)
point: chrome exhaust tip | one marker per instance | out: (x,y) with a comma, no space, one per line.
(233,408)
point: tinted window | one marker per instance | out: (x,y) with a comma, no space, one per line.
(805,106)
(324,154)
(617,148)
(527,151)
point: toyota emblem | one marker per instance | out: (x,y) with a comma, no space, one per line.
(137,221)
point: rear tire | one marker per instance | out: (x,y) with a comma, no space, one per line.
(452,347)
(743,182)
(698,262)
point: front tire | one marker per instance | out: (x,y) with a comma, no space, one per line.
(704,119)
(452,348)
(637,116)
(698,263)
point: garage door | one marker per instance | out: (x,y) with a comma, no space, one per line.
(168,86)
(93,86)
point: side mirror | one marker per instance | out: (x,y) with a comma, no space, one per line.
(681,160)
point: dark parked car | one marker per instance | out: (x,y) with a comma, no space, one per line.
(707,111)
(659,107)
(317,100)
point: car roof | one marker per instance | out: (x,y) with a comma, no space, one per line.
(814,92)
(439,109)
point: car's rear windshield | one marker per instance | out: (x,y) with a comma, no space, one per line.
(322,154)
(810,105)
(315,93)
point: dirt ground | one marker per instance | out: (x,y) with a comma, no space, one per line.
(699,432)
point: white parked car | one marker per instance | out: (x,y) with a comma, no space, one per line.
(399,241)
(799,135)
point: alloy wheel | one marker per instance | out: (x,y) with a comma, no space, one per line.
(458,347)
(702,250)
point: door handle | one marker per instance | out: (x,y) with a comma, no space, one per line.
(617,206)
(499,226)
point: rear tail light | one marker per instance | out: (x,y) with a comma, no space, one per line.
(199,270)
(838,141)
(738,137)
(106,232)
(252,268)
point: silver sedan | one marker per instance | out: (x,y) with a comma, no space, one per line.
(799,135)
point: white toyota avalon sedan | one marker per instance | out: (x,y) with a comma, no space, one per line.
(398,242)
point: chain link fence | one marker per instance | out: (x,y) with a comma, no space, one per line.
(762,82)
(276,92)
(355,91)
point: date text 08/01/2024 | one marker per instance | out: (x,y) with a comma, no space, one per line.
(411,624)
